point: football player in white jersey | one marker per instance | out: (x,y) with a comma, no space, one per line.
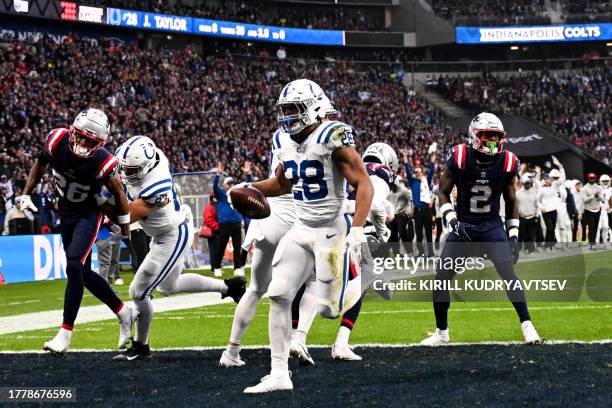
(265,236)
(318,159)
(146,176)
(381,165)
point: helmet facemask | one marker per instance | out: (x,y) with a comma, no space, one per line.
(132,174)
(488,141)
(293,117)
(84,143)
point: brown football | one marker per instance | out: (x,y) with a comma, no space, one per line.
(250,202)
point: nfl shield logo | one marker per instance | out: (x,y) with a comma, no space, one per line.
(483,173)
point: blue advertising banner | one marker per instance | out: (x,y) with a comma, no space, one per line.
(218,28)
(28,258)
(552,33)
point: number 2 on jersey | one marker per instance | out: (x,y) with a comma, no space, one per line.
(311,174)
(481,195)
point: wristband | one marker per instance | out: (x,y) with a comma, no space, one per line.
(123,219)
(513,232)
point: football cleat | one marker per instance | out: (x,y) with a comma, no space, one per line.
(126,322)
(299,350)
(344,352)
(138,351)
(239,272)
(119,282)
(59,344)
(438,338)
(218,273)
(227,360)
(235,288)
(529,333)
(270,383)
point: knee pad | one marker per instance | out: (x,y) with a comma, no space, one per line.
(279,289)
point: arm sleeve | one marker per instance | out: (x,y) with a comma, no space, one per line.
(432,170)
(409,173)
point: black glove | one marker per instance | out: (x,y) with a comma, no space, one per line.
(459,230)
(515,248)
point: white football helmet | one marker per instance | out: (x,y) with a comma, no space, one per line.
(137,157)
(301,103)
(384,154)
(486,133)
(604,179)
(89,132)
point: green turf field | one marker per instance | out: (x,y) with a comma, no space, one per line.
(380,321)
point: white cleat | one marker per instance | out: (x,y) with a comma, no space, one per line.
(59,344)
(126,322)
(218,273)
(119,282)
(239,272)
(227,360)
(344,352)
(438,338)
(299,350)
(529,333)
(270,384)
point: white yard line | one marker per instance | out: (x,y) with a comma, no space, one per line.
(370,345)
(88,314)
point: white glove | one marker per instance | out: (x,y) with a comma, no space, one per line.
(229,196)
(115,233)
(356,241)
(185,209)
(26,203)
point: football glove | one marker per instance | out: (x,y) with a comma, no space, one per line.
(26,203)
(515,248)
(355,245)
(458,228)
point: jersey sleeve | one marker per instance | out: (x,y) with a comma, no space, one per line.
(107,165)
(52,141)
(381,171)
(157,192)
(340,135)
(511,165)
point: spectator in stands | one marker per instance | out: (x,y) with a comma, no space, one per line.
(420,185)
(230,222)
(529,206)
(14,227)
(592,196)
(6,186)
(109,251)
(210,230)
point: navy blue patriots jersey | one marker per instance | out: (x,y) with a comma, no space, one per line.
(78,179)
(479,187)
(380,170)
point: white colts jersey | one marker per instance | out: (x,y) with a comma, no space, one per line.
(283,206)
(155,188)
(319,189)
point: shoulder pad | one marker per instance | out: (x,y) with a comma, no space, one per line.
(53,139)
(510,162)
(459,158)
(380,170)
(108,165)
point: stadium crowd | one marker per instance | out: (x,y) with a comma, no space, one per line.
(575,105)
(250,11)
(199,109)
(508,12)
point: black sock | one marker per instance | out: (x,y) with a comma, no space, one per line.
(350,317)
(295,307)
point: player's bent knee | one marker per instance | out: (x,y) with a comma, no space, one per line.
(278,290)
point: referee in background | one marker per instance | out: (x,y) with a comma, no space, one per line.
(420,185)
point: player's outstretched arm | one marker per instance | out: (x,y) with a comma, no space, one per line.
(274,186)
(352,168)
(115,187)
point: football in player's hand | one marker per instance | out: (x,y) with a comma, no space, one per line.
(250,202)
